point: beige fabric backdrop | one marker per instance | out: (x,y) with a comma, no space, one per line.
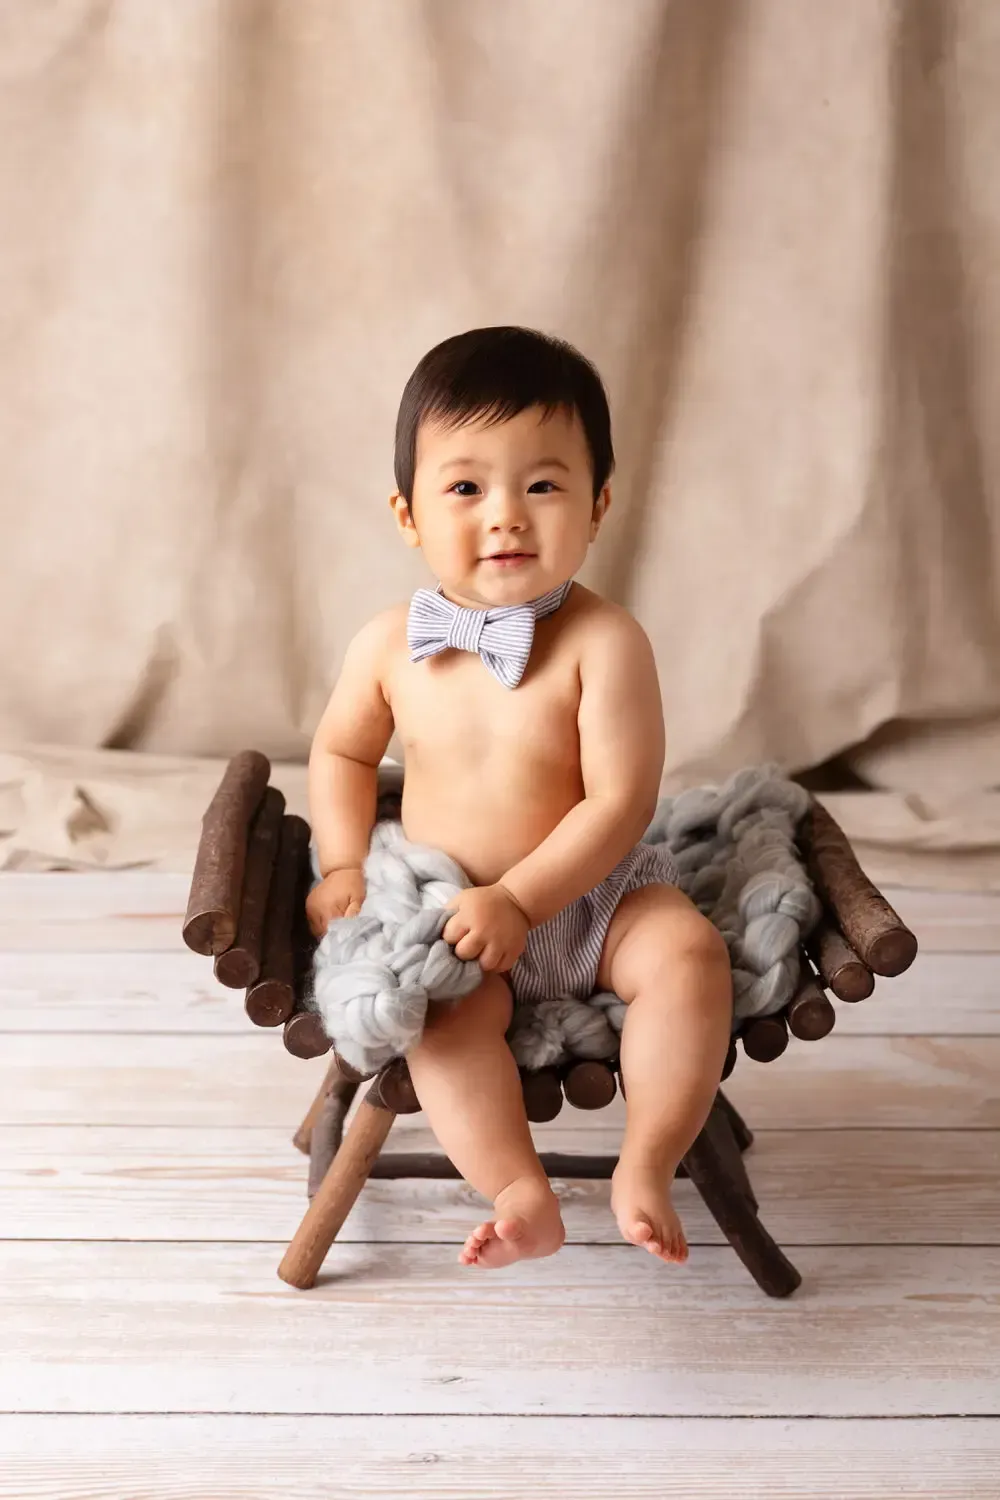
(228,228)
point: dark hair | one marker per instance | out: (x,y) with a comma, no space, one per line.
(495,373)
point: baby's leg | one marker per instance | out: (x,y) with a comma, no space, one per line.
(671,967)
(468,1084)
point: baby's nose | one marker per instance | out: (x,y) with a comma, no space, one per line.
(508,511)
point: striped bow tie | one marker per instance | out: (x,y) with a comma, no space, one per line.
(502,637)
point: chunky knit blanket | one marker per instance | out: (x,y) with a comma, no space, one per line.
(375,974)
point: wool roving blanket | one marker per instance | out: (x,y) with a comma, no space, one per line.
(375,974)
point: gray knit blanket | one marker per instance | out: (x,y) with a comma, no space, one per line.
(375,974)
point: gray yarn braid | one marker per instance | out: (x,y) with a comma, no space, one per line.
(375,974)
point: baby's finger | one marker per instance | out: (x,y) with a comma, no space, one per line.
(470,946)
(353,907)
(491,957)
(455,929)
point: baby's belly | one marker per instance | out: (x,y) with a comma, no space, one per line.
(487,817)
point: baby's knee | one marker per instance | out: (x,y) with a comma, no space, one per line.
(487,1011)
(676,940)
(699,942)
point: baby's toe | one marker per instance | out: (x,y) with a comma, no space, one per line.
(677,1249)
(469,1252)
(511,1230)
(640,1232)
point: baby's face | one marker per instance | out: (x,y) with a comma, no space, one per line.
(503,513)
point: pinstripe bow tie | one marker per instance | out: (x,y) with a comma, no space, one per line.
(502,637)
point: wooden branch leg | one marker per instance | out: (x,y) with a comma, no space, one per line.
(328,1131)
(725,1139)
(337,1193)
(742,1133)
(709,1167)
(301,1138)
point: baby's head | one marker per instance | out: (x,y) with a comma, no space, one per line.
(503,446)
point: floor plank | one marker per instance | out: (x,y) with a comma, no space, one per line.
(145,1119)
(874,1187)
(537,1458)
(118,912)
(953,994)
(115,993)
(250,1080)
(950,921)
(943,994)
(86,897)
(135,911)
(884,1331)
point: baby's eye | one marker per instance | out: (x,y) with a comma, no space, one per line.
(464,488)
(541,487)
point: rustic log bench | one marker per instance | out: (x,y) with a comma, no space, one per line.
(247,911)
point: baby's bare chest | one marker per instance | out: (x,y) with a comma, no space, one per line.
(450,711)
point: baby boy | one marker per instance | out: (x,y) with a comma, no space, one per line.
(530,717)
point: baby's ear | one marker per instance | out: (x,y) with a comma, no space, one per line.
(403,512)
(601,507)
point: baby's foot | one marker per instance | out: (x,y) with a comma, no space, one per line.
(527,1225)
(640,1201)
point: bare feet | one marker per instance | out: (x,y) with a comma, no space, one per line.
(527,1225)
(640,1201)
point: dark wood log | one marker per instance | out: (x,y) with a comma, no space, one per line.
(239,966)
(730,1062)
(213,909)
(543,1095)
(589,1085)
(395,1089)
(742,1133)
(271,999)
(436,1166)
(765,1038)
(708,1165)
(726,1143)
(839,966)
(334,1079)
(304,1035)
(876,933)
(348,1071)
(304,944)
(809,1013)
(328,1130)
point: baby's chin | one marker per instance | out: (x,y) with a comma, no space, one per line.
(505,582)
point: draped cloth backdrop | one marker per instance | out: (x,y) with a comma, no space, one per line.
(229,228)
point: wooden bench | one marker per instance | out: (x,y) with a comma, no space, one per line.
(247,911)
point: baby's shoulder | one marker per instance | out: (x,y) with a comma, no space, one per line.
(601,622)
(387,626)
(381,637)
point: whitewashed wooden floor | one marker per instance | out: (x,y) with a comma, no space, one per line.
(148,1183)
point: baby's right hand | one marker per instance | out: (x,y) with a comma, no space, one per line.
(340,894)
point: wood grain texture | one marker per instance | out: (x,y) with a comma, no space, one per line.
(944,994)
(168,1183)
(875,1331)
(948,1082)
(871,1162)
(133,911)
(116,993)
(519,1458)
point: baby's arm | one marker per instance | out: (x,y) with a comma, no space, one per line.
(621,756)
(348,745)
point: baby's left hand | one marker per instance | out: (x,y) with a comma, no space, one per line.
(489,925)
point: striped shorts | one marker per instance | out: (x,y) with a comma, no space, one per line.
(562,955)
